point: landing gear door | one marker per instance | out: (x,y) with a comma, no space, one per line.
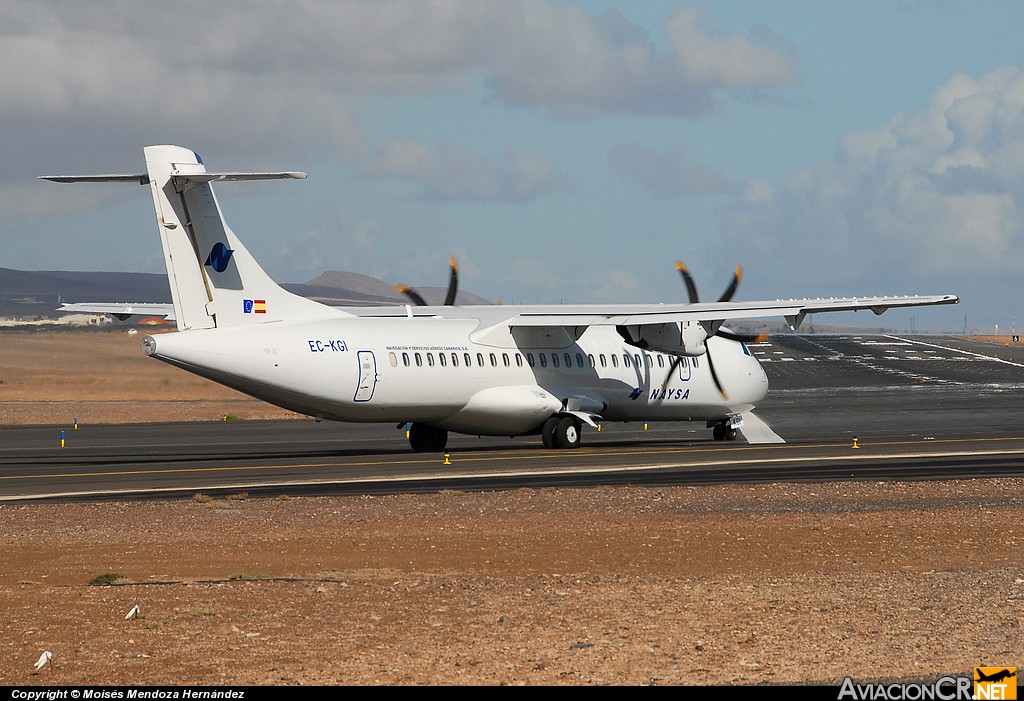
(367,376)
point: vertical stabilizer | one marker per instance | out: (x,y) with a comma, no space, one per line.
(214,280)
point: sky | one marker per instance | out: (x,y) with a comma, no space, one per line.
(561,151)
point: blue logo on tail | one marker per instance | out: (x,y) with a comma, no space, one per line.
(219,257)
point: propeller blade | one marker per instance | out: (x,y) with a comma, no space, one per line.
(412,294)
(671,369)
(714,375)
(741,337)
(691,286)
(453,284)
(731,289)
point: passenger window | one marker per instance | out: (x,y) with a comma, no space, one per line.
(661,361)
(519,360)
(430,359)
(419,360)
(625,360)
(568,360)
(554,360)
(590,357)
(480,359)
(604,363)
(405,359)
(636,358)
(468,358)
(441,359)
(494,361)
(579,360)
(504,359)
(455,360)
(615,361)
(393,359)
(543,360)
(529,359)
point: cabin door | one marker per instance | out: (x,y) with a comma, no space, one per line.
(367,376)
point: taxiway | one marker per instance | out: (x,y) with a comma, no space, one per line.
(841,406)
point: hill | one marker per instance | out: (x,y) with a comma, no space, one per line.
(37,294)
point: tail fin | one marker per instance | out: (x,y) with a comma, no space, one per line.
(214,280)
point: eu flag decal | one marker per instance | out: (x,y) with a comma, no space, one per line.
(254,306)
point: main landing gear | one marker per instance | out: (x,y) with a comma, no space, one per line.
(561,432)
(427,439)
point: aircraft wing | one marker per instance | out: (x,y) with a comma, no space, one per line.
(581,316)
(793,310)
(121,310)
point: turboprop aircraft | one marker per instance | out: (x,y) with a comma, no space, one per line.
(499,370)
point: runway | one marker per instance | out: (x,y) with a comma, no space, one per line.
(847,407)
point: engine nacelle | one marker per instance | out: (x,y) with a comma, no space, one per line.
(673,338)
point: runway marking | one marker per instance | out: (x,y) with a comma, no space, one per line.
(651,446)
(580,454)
(518,473)
(963,352)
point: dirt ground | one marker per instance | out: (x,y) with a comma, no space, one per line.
(777,583)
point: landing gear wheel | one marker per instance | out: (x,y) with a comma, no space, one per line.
(547,431)
(427,439)
(724,433)
(567,433)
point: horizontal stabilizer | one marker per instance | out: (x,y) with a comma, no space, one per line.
(225,177)
(140,178)
(179,178)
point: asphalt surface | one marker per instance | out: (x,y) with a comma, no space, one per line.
(846,407)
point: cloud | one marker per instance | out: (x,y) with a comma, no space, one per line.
(300,70)
(261,86)
(578,66)
(927,195)
(667,173)
(452,173)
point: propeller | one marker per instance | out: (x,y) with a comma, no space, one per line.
(691,286)
(449,298)
(691,289)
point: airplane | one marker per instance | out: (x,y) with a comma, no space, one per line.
(121,310)
(165,312)
(494,370)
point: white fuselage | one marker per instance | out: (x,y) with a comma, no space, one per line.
(430,370)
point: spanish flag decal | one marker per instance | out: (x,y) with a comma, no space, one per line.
(254,306)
